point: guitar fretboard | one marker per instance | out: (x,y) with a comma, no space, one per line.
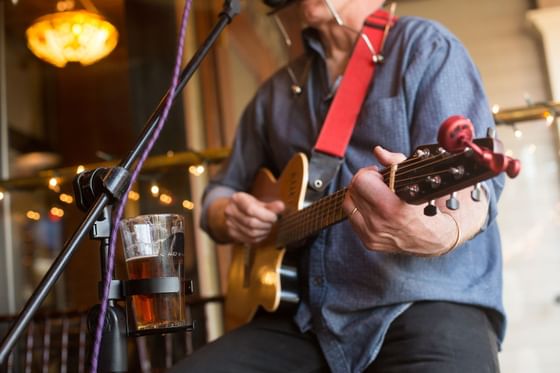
(308,221)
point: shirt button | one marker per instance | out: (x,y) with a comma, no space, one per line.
(318,280)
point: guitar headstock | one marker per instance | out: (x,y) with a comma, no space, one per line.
(456,162)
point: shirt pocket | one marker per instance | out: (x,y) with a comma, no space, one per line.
(382,121)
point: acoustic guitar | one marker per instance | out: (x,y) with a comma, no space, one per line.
(257,276)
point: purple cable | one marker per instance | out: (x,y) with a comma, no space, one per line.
(121,204)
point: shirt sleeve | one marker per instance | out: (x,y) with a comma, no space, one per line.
(442,81)
(248,154)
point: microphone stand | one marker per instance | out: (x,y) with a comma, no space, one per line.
(115,184)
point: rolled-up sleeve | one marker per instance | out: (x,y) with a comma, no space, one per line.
(248,154)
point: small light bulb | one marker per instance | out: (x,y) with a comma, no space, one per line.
(165,199)
(58,212)
(53,181)
(155,190)
(66,198)
(77,29)
(80,169)
(197,170)
(496,109)
(133,196)
(33,215)
(550,119)
(518,133)
(1,196)
(188,204)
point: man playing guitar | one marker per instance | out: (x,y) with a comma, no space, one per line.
(390,287)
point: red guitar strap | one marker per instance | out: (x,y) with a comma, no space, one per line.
(345,108)
(359,73)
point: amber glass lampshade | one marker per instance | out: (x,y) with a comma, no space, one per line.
(71,36)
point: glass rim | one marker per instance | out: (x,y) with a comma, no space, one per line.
(144,216)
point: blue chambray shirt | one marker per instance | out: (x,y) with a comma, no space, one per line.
(350,294)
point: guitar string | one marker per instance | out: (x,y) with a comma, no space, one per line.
(306,220)
(310,218)
(431,161)
(413,164)
(303,216)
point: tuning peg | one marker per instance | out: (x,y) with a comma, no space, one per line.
(452,203)
(430,209)
(475,193)
(513,167)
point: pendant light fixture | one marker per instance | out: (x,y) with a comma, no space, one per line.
(71,35)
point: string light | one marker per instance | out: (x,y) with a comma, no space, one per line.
(170,153)
(66,198)
(61,6)
(165,199)
(197,170)
(549,118)
(33,215)
(133,196)
(517,132)
(1,196)
(495,109)
(57,212)
(54,184)
(154,190)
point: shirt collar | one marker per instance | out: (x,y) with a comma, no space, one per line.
(312,41)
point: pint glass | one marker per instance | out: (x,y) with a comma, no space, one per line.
(153,248)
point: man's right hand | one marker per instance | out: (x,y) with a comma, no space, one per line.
(242,218)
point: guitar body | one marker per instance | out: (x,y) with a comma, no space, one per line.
(255,271)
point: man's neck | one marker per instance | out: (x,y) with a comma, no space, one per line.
(338,40)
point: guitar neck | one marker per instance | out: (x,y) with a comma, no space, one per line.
(308,221)
(428,174)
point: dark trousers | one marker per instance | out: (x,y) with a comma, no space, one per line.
(430,337)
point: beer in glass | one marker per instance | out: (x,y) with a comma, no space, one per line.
(154,248)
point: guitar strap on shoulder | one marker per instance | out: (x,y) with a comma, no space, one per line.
(328,153)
